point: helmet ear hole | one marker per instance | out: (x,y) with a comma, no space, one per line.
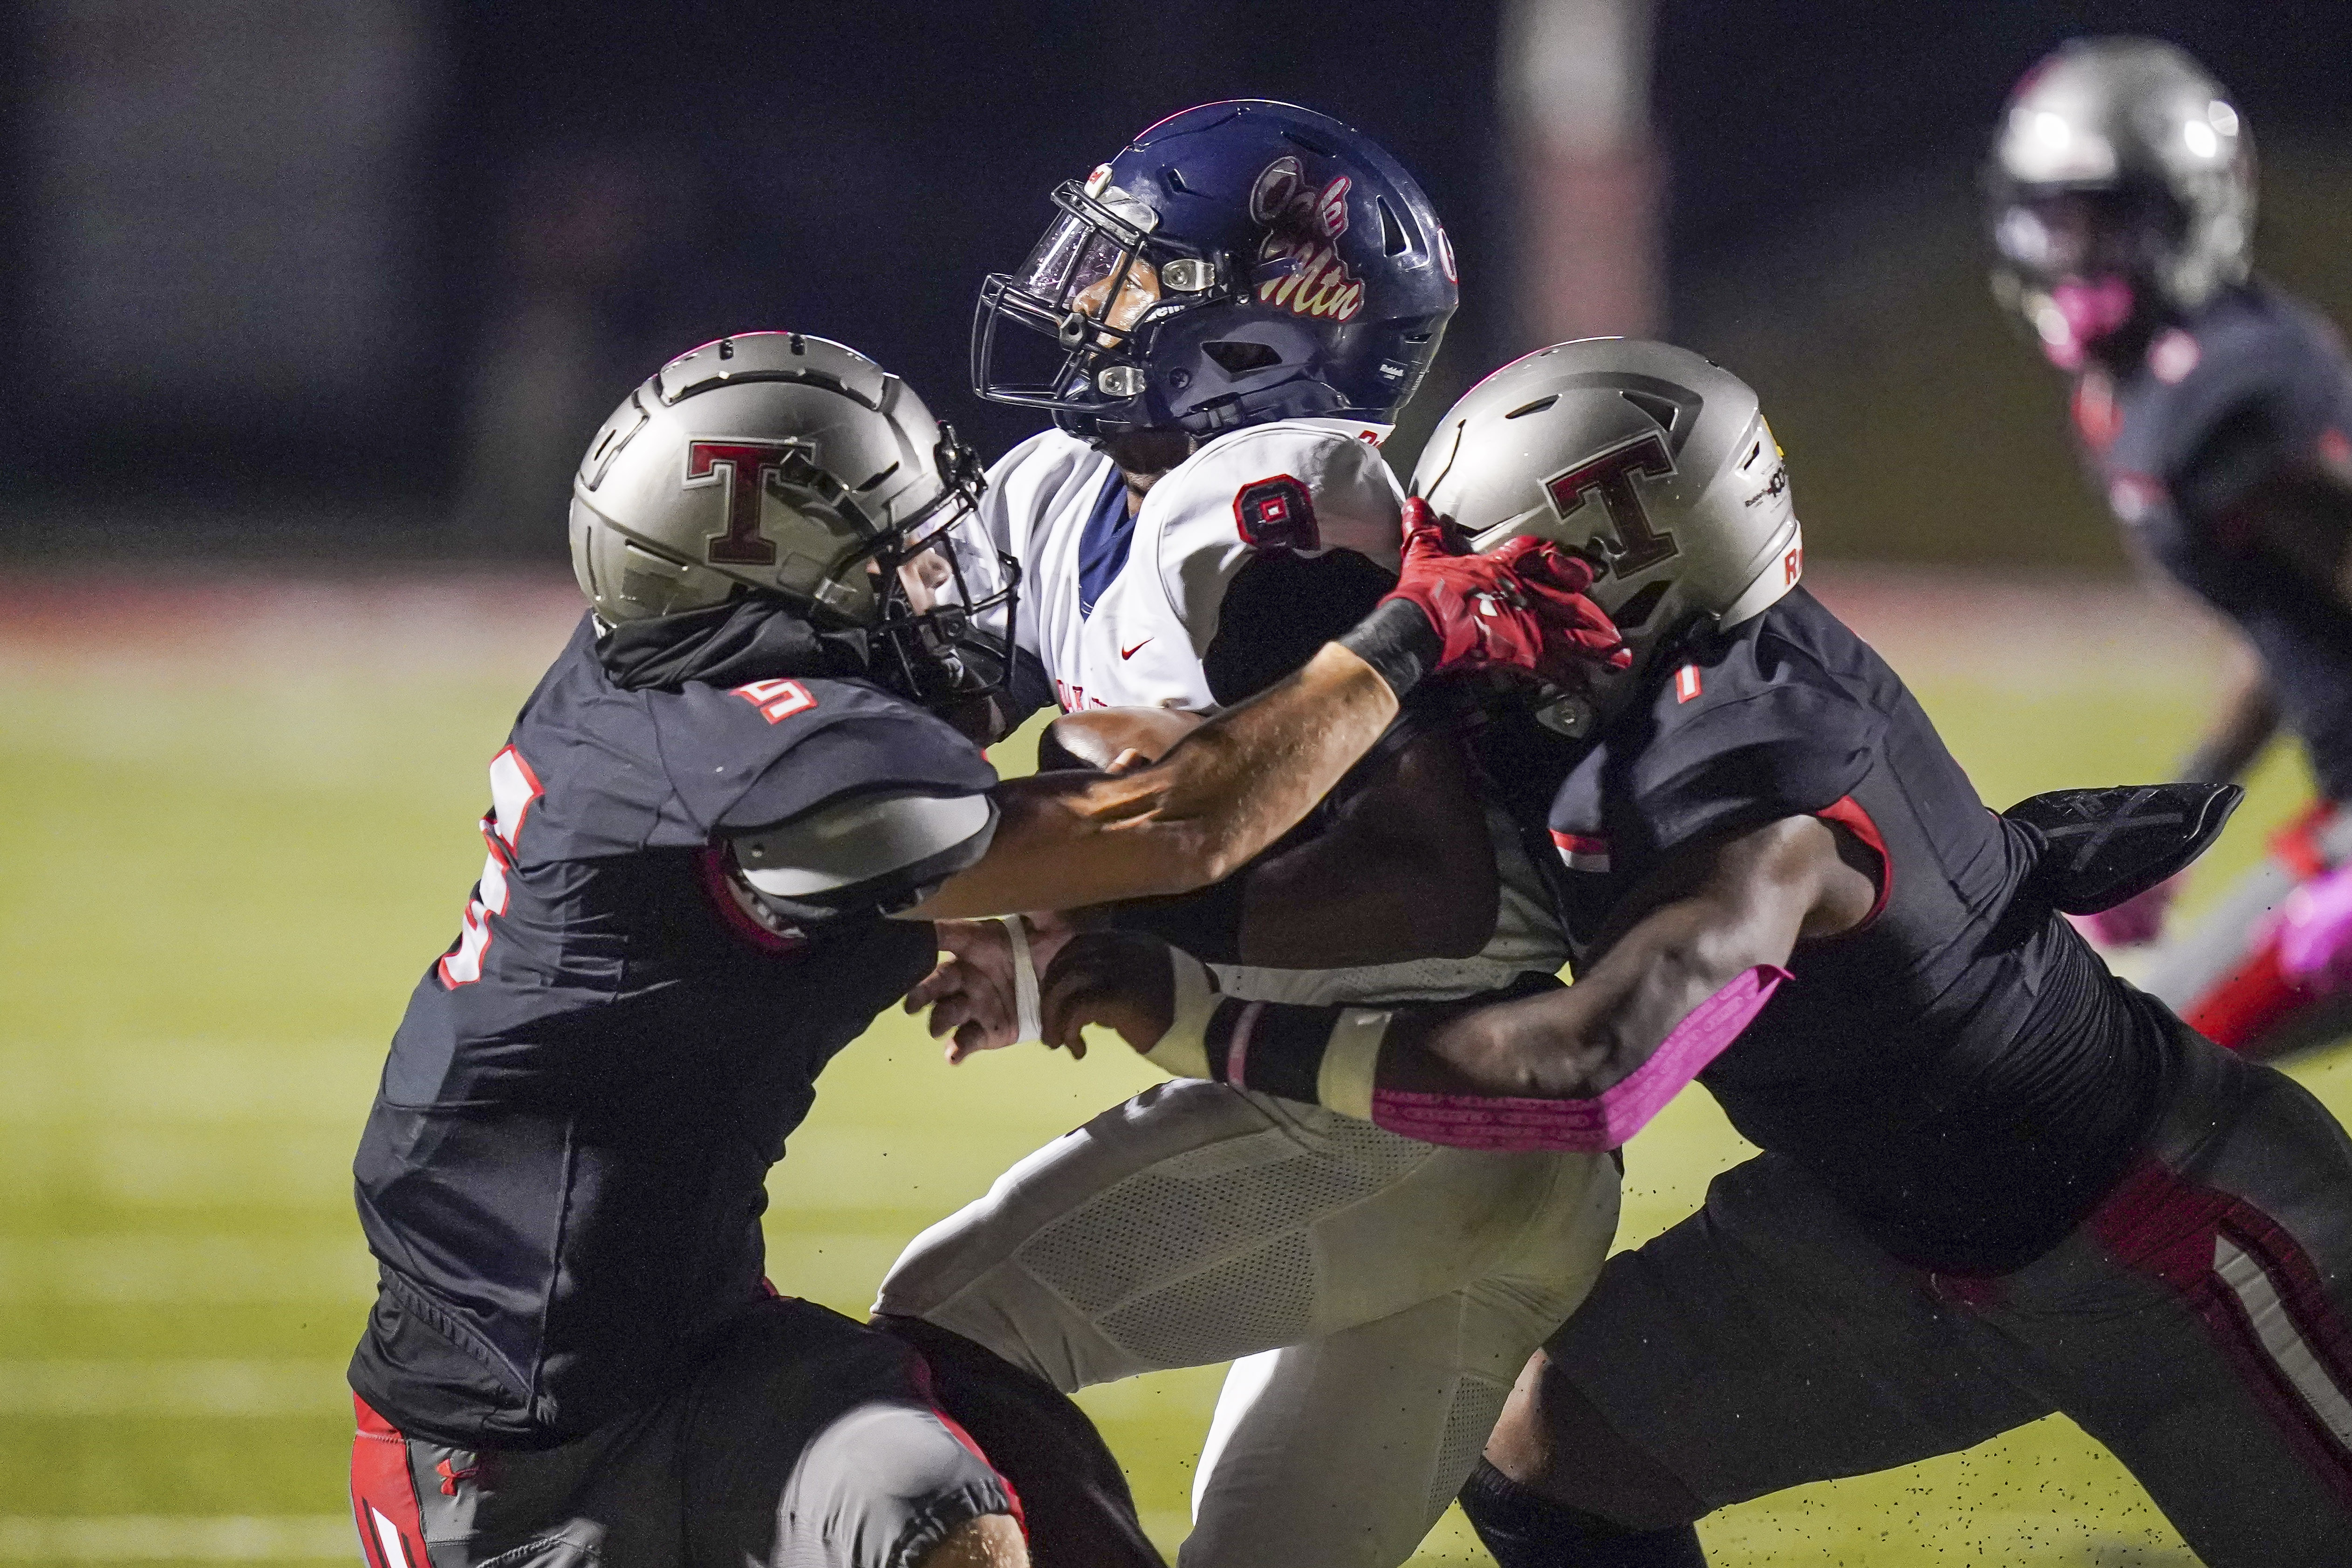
(1238,358)
(1664,410)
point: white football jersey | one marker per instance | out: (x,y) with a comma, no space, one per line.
(1129,628)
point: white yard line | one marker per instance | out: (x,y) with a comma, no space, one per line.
(162,1537)
(182,1269)
(209,1387)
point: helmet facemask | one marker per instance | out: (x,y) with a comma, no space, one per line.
(948,598)
(2084,266)
(1097,287)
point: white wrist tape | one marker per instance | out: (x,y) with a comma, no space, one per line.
(1343,1082)
(1184,1050)
(1026,1026)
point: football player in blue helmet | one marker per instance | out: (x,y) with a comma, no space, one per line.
(1236,263)
(1228,315)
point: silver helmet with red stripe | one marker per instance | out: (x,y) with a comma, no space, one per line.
(785,465)
(1653,463)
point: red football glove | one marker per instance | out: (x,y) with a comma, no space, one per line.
(1521,607)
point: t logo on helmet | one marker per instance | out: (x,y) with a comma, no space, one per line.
(746,465)
(1637,546)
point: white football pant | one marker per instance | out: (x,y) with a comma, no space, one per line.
(1384,1292)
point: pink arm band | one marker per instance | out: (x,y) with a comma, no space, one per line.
(1477,1121)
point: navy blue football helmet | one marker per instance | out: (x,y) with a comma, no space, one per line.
(1237,263)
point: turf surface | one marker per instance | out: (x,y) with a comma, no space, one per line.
(233,841)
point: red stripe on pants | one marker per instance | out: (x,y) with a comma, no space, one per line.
(972,1446)
(381,1484)
(2249,1001)
(2158,1225)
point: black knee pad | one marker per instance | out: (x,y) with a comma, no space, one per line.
(1521,1528)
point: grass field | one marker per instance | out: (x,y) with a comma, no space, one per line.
(240,821)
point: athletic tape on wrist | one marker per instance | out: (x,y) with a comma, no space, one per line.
(1026,1025)
(1184,1050)
(1398,640)
(1590,1125)
(1343,1079)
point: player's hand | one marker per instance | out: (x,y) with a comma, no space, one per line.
(2314,933)
(970,993)
(1521,607)
(2135,923)
(1121,979)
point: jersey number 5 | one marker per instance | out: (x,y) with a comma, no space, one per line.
(1276,513)
(513,789)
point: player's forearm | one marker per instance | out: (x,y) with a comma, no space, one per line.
(1227,790)
(1580,1043)
(1555,1071)
(1582,1069)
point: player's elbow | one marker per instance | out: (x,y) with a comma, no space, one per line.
(1206,853)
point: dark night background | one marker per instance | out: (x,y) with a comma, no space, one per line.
(560,197)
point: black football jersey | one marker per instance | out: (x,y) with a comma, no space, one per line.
(563,1173)
(2253,385)
(1960,1070)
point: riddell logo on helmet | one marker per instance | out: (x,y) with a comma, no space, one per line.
(1302,222)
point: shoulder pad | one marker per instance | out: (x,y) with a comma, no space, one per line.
(1287,485)
(1756,730)
(747,757)
(864,852)
(2258,354)
(1023,483)
(2100,846)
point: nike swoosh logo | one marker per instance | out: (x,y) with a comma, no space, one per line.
(1130,652)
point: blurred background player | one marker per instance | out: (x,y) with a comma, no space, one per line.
(1263,288)
(1996,1181)
(2216,414)
(745,760)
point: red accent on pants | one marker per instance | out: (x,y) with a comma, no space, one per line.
(955,1430)
(383,1490)
(2249,1001)
(1848,813)
(2255,998)
(2161,1226)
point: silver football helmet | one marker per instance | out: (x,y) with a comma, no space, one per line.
(783,464)
(1652,463)
(2117,159)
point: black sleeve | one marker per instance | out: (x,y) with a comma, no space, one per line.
(1279,609)
(2234,457)
(1786,751)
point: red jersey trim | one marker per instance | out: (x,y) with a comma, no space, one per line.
(1848,813)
